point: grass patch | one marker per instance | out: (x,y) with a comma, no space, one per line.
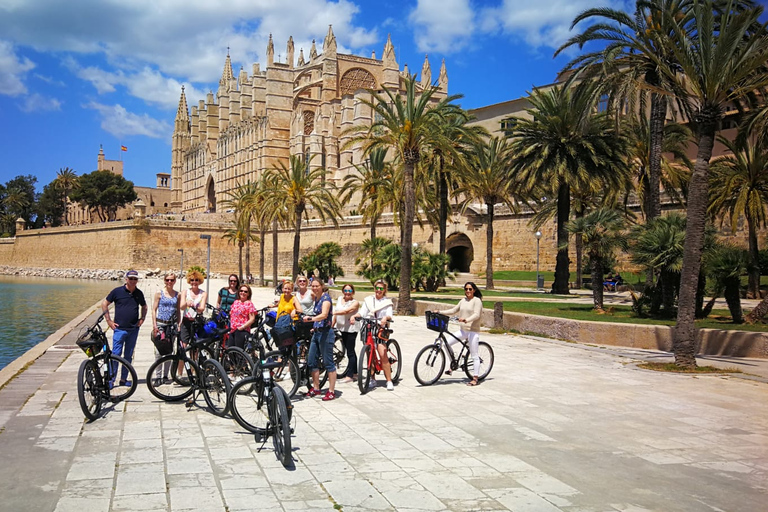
(459,292)
(673,368)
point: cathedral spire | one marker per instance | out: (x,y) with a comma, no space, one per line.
(312,52)
(426,73)
(389,54)
(443,80)
(301,57)
(226,75)
(182,113)
(289,52)
(329,44)
(270,52)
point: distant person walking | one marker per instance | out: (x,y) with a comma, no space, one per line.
(127,321)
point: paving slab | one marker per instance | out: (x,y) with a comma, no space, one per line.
(556,427)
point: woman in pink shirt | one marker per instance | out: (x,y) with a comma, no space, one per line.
(241,316)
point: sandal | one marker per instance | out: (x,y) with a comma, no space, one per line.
(448,372)
(473,382)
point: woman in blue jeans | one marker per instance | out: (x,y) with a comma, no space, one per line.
(322,341)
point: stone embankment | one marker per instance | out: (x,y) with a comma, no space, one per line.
(84,273)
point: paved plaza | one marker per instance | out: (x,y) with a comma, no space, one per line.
(556,427)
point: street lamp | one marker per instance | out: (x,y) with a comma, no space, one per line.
(208,270)
(539,280)
(181,270)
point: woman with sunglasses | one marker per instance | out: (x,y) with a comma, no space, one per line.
(241,316)
(344,321)
(165,311)
(306,298)
(470,310)
(228,295)
(322,341)
(378,306)
(192,302)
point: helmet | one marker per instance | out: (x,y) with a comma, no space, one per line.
(210,327)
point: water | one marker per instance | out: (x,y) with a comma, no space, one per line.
(33,308)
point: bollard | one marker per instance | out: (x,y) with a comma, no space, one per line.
(498,315)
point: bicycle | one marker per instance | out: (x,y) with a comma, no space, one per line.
(430,361)
(192,375)
(97,374)
(248,398)
(369,361)
(235,361)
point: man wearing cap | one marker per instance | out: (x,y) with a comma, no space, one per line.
(127,299)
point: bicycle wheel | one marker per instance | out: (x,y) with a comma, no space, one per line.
(429,364)
(339,355)
(485,352)
(364,369)
(178,384)
(287,375)
(216,387)
(88,389)
(237,364)
(395,359)
(247,407)
(121,390)
(281,424)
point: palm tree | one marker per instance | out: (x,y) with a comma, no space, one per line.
(244,199)
(738,186)
(565,145)
(296,189)
(369,181)
(486,176)
(65,182)
(603,231)
(628,65)
(720,62)
(409,125)
(236,235)
(725,264)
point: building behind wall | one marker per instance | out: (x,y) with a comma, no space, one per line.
(297,107)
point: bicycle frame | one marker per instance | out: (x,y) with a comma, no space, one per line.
(446,347)
(371,329)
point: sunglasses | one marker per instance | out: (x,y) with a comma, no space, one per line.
(347,291)
(233,280)
(379,288)
(133,278)
(302,281)
(170,280)
(243,291)
(194,280)
(469,289)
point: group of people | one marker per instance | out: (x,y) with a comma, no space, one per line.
(612,281)
(313,301)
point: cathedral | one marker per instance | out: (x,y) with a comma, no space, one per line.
(297,107)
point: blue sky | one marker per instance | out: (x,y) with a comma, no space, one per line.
(80,73)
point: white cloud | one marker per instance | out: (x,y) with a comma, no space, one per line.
(13,70)
(116,120)
(539,23)
(36,103)
(444,26)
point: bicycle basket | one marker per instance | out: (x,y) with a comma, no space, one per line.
(89,343)
(436,321)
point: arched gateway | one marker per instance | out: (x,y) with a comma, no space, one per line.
(459,248)
(211,195)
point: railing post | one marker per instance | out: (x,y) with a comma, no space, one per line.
(498,315)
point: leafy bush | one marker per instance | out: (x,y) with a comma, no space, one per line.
(323,260)
(430,270)
(763,261)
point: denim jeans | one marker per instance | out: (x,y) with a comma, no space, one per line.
(322,343)
(123,343)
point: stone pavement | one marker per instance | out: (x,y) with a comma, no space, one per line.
(556,427)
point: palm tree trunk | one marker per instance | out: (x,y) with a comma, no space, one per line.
(759,312)
(579,246)
(684,341)
(274,251)
(668,283)
(753,286)
(240,261)
(700,290)
(248,250)
(658,118)
(597,283)
(406,256)
(733,299)
(296,244)
(262,248)
(562,274)
(443,207)
(489,248)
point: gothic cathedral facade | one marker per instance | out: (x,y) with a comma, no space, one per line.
(285,109)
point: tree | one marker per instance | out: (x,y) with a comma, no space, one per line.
(238,235)
(65,183)
(603,232)
(103,192)
(244,200)
(487,176)
(370,182)
(738,186)
(719,62)
(50,206)
(567,144)
(323,259)
(725,265)
(19,200)
(297,188)
(407,123)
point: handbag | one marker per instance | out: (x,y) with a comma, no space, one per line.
(163,340)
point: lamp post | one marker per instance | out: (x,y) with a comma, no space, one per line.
(181,269)
(539,280)
(208,269)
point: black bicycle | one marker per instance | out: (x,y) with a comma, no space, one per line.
(98,374)
(263,408)
(430,361)
(192,371)
(215,331)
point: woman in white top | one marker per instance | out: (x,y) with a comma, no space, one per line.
(304,294)
(344,321)
(192,302)
(378,306)
(470,310)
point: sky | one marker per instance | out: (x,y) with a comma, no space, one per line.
(81,74)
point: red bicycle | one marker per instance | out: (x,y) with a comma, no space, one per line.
(369,362)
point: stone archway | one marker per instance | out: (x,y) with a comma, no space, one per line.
(210,194)
(459,248)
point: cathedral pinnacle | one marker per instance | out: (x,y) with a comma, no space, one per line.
(226,75)
(443,80)
(426,73)
(289,52)
(182,113)
(270,51)
(301,57)
(329,44)
(312,52)
(389,53)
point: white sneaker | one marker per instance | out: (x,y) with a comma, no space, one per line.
(372,384)
(390,386)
